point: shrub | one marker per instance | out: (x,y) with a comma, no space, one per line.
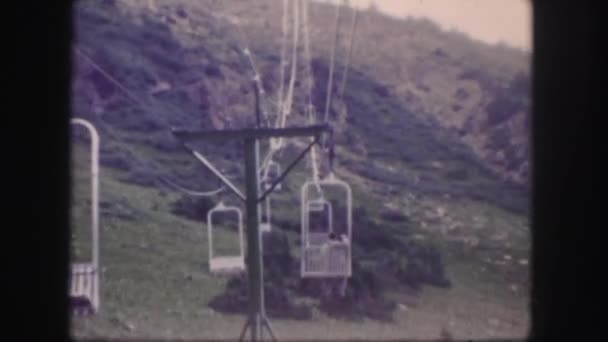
(393,216)
(501,109)
(278,271)
(457,174)
(212,70)
(115,157)
(380,262)
(194,208)
(141,176)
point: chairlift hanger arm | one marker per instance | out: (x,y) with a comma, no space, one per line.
(217,173)
(291,166)
(314,131)
(224,180)
(190,192)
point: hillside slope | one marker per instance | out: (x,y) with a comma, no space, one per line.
(479,92)
(430,208)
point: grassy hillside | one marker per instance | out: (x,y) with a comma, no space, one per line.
(155,280)
(436,231)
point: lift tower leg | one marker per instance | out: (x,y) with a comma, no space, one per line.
(257,320)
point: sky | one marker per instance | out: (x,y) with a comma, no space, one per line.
(492,21)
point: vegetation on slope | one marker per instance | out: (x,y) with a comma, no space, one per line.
(387,148)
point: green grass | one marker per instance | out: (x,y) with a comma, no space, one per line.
(151,266)
(155,283)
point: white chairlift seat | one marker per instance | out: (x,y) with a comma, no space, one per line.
(84,277)
(322,256)
(226,264)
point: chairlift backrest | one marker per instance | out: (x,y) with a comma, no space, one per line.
(319,205)
(85,276)
(94,186)
(330,181)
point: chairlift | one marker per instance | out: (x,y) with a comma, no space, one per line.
(272,172)
(226,264)
(322,256)
(84,284)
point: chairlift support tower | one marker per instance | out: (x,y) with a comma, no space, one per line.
(257,319)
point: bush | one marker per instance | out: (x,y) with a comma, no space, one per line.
(424,265)
(212,70)
(381,262)
(141,176)
(116,158)
(457,175)
(393,216)
(279,274)
(194,208)
(501,109)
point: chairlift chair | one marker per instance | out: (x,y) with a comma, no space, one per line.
(84,279)
(320,256)
(226,264)
(271,173)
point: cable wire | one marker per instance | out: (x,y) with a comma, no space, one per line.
(139,102)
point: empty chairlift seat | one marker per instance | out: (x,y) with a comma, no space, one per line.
(225,264)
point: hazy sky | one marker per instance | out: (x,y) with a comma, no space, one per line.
(509,21)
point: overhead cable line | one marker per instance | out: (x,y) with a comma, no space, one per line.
(331,63)
(310,108)
(348,55)
(287,102)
